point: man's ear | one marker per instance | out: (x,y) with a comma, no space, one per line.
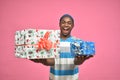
(59,24)
(72,26)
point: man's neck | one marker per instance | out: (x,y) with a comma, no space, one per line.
(64,37)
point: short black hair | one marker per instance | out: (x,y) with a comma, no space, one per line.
(67,15)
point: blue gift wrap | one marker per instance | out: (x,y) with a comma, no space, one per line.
(76,48)
(80,47)
(88,48)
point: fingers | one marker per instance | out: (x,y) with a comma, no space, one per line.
(87,57)
(80,59)
(43,61)
(38,60)
(34,60)
(83,57)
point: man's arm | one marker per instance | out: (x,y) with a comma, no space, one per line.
(80,59)
(50,62)
(47,62)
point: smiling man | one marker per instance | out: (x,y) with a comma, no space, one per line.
(65,67)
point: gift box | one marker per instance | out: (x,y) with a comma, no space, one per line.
(37,43)
(80,47)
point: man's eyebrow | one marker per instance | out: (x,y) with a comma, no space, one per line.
(69,21)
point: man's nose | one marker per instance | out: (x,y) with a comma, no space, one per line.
(66,24)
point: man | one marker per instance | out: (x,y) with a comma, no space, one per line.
(65,67)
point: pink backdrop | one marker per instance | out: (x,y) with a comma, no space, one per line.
(95,20)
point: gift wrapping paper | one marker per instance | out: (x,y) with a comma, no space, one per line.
(37,43)
(88,48)
(80,47)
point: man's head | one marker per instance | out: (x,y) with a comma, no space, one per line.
(66,25)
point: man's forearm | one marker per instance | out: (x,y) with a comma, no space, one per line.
(78,62)
(48,62)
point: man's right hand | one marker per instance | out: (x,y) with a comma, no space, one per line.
(38,60)
(47,62)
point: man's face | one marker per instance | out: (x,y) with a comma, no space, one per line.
(66,26)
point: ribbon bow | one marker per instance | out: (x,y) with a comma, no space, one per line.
(44,43)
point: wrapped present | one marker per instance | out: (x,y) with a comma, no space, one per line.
(37,43)
(80,47)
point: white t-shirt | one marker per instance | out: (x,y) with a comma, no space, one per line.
(64,68)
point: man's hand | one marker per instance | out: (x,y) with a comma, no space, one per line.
(38,60)
(47,62)
(80,59)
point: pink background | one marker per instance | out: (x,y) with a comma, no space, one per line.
(95,20)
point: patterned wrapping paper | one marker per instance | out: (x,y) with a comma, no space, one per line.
(88,48)
(75,47)
(80,47)
(37,43)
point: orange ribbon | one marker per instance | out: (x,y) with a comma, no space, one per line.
(44,43)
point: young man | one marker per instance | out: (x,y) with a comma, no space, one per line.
(65,67)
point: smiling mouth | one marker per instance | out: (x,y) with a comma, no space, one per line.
(66,29)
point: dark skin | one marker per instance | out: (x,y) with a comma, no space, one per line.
(66,26)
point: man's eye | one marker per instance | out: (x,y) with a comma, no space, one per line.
(63,22)
(69,23)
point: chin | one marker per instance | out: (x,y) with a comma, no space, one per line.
(66,35)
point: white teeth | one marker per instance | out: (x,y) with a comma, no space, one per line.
(66,28)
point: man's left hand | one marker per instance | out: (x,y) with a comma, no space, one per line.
(80,59)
